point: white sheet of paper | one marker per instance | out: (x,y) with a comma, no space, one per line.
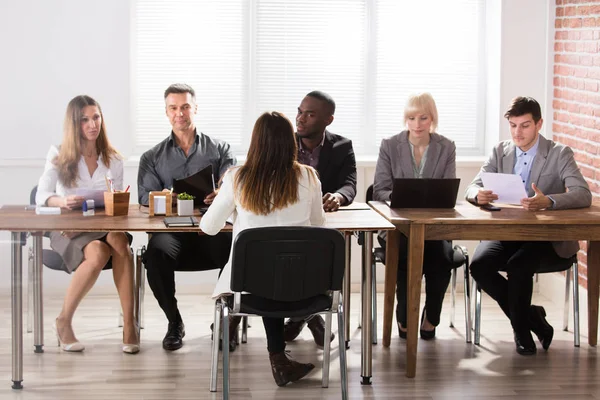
(92,194)
(509,187)
(160,205)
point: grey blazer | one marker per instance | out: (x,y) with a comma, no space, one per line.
(395,161)
(555,173)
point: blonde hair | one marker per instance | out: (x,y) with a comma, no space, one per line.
(269,178)
(421,103)
(69,153)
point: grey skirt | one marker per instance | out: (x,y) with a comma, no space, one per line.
(71,249)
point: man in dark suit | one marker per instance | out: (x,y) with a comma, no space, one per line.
(333,158)
(553,181)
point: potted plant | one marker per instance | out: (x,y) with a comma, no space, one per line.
(185,204)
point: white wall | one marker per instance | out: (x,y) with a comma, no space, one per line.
(54,50)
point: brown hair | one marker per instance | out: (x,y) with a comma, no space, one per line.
(69,153)
(524,105)
(269,178)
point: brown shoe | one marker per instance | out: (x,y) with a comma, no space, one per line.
(292,329)
(317,327)
(286,370)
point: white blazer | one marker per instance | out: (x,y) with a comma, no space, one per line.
(308,210)
(50,185)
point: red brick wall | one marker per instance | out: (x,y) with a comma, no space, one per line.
(576,103)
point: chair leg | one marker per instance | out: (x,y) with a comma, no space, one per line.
(477,292)
(214,365)
(30,290)
(374,303)
(467,291)
(453,298)
(326,351)
(568,274)
(342,350)
(245,329)
(225,318)
(140,277)
(576,302)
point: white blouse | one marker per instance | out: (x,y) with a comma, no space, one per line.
(50,185)
(308,210)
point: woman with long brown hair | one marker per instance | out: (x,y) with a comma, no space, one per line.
(270,189)
(84,160)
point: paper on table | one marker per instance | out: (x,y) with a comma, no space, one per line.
(509,187)
(92,194)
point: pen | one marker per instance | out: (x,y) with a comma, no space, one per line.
(127,188)
(213,182)
(107,184)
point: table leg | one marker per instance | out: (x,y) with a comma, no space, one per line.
(38,305)
(347,288)
(17,310)
(593,272)
(416,244)
(366,306)
(391,273)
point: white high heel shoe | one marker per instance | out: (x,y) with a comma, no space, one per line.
(131,348)
(70,347)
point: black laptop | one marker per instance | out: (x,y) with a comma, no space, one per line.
(424,193)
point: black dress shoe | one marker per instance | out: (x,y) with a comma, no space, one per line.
(174,338)
(292,329)
(524,343)
(317,327)
(542,329)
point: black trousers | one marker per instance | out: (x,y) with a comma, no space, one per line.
(437,267)
(274,331)
(520,261)
(170,252)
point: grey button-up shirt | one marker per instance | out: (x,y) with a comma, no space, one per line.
(167,161)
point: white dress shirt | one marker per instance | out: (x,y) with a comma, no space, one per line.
(308,210)
(50,185)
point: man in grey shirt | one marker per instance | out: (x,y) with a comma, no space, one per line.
(183,153)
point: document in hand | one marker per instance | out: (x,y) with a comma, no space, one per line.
(200,185)
(509,187)
(92,194)
(172,222)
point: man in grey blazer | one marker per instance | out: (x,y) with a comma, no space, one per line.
(553,181)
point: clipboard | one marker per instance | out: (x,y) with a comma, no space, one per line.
(200,185)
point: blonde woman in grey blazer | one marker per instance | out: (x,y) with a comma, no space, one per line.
(418,152)
(553,181)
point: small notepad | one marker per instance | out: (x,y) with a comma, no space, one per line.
(173,222)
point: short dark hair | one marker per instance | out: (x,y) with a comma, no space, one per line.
(317,94)
(524,105)
(180,88)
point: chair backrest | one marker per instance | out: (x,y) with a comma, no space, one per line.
(32,195)
(288,263)
(369,195)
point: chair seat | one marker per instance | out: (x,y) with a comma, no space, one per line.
(562,265)
(256,305)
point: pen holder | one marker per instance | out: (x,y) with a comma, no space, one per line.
(116,203)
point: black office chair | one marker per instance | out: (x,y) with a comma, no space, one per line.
(54,261)
(571,267)
(299,272)
(460,259)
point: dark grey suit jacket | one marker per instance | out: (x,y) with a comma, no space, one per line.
(554,171)
(395,161)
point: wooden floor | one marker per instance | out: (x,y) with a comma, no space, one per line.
(448,368)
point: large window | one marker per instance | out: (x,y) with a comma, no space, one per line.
(244,57)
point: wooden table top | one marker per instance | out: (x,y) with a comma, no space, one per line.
(16,218)
(467,214)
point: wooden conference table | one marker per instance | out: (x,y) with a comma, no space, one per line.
(468,222)
(16,219)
